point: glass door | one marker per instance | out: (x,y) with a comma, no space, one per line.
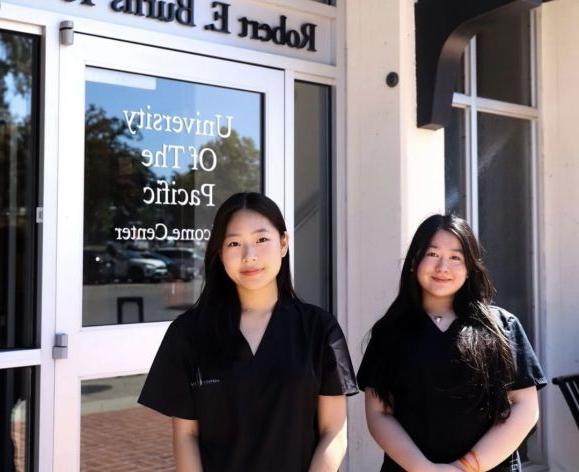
(151,142)
(20,340)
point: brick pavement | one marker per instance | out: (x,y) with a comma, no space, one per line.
(134,439)
(18,439)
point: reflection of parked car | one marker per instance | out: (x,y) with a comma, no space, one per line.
(98,266)
(178,268)
(141,268)
(185,256)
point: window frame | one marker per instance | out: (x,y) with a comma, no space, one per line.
(35,357)
(329,177)
(337,179)
(30,357)
(472,105)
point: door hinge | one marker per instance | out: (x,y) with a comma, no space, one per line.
(67,33)
(60,348)
(40,215)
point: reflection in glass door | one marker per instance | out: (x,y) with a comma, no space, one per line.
(160,156)
(19,327)
(152,142)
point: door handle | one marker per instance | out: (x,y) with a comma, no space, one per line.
(60,348)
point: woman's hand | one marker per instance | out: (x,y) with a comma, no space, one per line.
(503,439)
(428,466)
(445,468)
(450,468)
(456,465)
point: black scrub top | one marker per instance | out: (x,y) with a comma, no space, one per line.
(421,367)
(260,413)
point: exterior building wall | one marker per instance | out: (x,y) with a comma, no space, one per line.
(560,101)
(390,176)
(395,178)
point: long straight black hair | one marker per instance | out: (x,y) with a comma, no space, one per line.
(481,343)
(218,304)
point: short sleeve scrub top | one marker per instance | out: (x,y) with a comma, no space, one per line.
(260,413)
(421,367)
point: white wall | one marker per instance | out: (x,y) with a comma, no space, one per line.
(395,177)
(560,310)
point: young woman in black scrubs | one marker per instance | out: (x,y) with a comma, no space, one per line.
(450,381)
(254,379)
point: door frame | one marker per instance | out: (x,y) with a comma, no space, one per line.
(46,23)
(140,340)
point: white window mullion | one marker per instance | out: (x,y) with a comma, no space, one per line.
(535,224)
(534,58)
(468,164)
(468,71)
(20,358)
(472,159)
(472,169)
(540,438)
(535,181)
(512,110)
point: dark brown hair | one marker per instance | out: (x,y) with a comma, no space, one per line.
(481,343)
(218,304)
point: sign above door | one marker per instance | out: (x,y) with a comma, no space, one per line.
(279,29)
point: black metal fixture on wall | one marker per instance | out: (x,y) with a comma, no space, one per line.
(443,29)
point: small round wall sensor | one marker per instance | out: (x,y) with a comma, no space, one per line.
(392,79)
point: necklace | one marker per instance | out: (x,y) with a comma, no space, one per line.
(438,318)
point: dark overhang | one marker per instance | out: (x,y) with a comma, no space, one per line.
(443,29)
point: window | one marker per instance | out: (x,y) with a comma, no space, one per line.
(490,158)
(312,190)
(18,202)
(490,163)
(18,192)
(17,397)
(161,156)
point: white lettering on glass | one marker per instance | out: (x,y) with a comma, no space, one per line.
(145,119)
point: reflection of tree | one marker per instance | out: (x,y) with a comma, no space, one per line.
(238,169)
(18,164)
(16,65)
(114,177)
(16,77)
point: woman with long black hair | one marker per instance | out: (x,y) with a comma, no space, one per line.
(254,379)
(450,381)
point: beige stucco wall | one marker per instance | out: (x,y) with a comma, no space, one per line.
(559,59)
(394,177)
